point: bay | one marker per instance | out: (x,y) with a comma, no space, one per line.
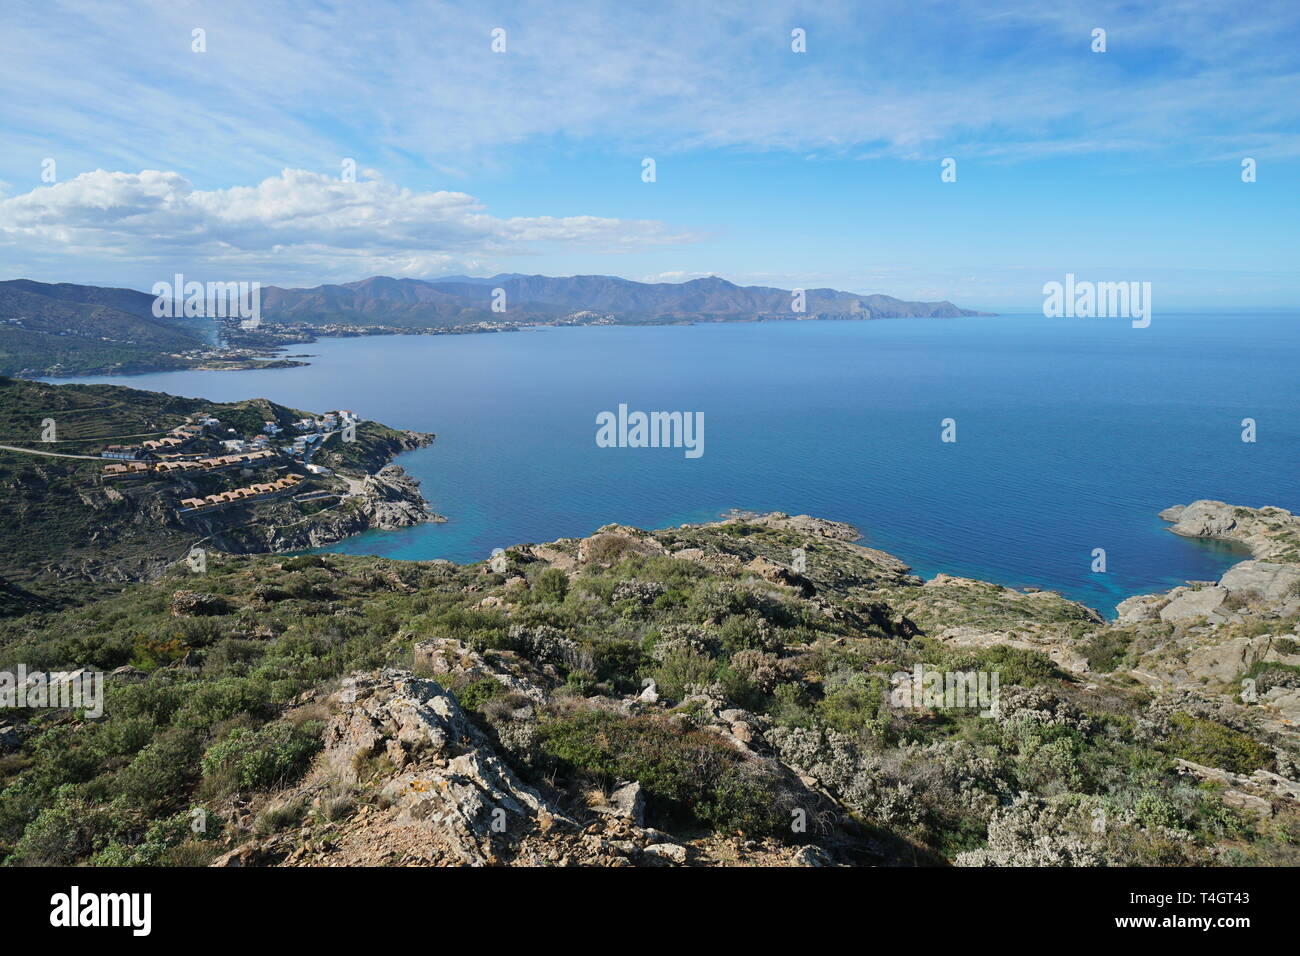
(1071,434)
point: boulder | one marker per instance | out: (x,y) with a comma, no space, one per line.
(777,574)
(195,604)
(664,854)
(1274,583)
(454,785)
(812,856)
(1248,802)
(628,802)
(1229,660)
(1190,605)
(1139,608)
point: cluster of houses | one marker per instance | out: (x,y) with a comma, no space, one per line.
(163,456)
(176,439)
(256,492)
(197,465)
(311,432)
(128,468)
(173,441)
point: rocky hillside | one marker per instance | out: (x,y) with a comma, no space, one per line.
(757,691)
(68,531)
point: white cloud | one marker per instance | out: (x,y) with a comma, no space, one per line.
(416,85)
(299,224)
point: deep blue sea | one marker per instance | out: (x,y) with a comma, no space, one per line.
(1071,434)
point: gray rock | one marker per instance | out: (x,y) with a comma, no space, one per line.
(1272,582)
(1190,605)
(662,854)
(1248,802)
(1227,661)
(813,856)
(1202,519)
(629,802)
(1140,607)
(1264,531)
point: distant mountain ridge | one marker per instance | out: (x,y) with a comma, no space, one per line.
(85,328)
(65,328)
(457,299)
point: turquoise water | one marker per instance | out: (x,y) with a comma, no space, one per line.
(1071,434)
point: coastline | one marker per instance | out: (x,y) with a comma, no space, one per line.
(274,357)
(384,499)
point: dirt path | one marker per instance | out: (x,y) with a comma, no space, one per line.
(51,454)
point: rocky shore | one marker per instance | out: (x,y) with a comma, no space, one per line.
(759,690)
(1168,675)
(386,500)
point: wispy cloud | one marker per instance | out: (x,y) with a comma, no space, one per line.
(464,138)
(300,84)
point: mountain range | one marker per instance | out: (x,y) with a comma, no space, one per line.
(63,328)
(456,299)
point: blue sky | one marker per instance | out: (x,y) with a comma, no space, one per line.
(772,167)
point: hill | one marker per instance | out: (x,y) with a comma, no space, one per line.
(67,329)
(459,300)
(64,329)
(69,528)
(760,691)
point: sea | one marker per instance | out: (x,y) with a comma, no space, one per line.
(1018,449)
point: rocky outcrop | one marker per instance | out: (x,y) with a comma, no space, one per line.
(1189,604)
(391,499)
(1268,532)
(1256,793)
(446,797)
(450,783)
(1232,658)
(1268,582)
(194,604)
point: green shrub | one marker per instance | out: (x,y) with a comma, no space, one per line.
(551,586)
(161,773)
(1214,745)
(259,759)
(1105,650)
(681,667)
(474,695)
(71,828)
(1012,664)
(618,662)
(686,774)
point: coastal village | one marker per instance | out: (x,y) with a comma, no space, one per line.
(190,450)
